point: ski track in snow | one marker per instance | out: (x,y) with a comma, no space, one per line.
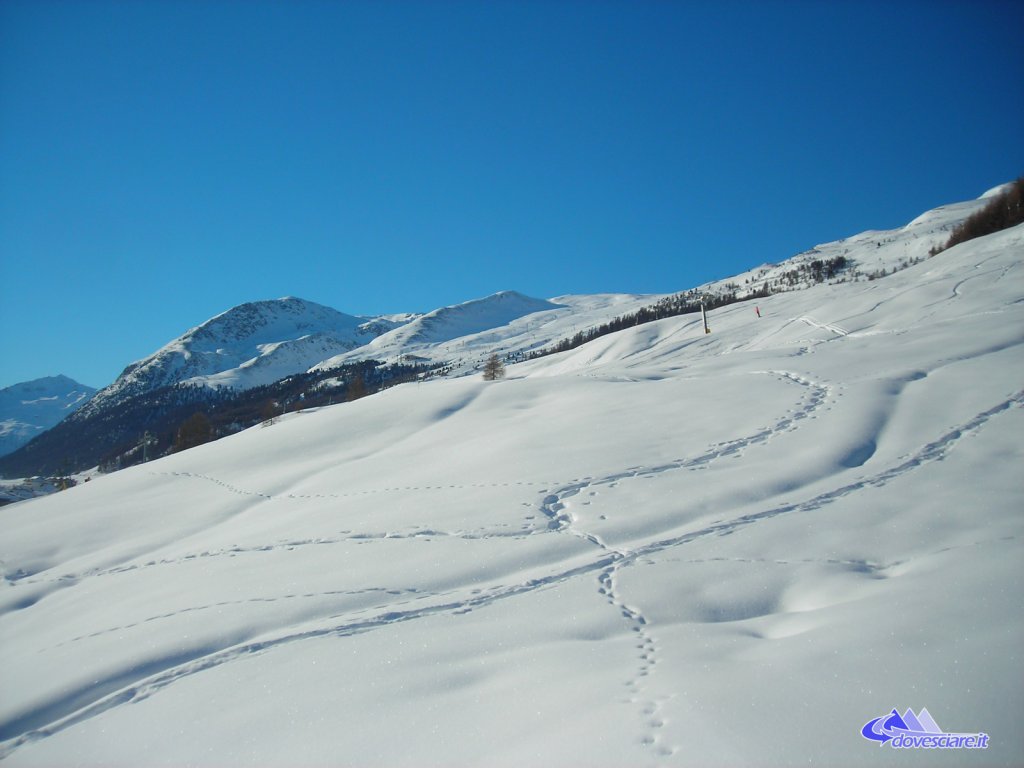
(137,684)
(838,331)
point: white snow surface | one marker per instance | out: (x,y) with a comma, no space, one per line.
(506,323)
(661,548)
(32,407)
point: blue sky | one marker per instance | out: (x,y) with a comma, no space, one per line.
(161,162)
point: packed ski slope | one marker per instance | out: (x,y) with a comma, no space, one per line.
(662,548)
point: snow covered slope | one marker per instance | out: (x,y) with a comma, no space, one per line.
(507,323)
(32,407)
(661,548)
(443,325)
(869,254)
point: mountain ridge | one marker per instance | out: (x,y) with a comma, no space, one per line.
(250,344)
(259,343)
(318,337)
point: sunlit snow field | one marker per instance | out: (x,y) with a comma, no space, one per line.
(662,548)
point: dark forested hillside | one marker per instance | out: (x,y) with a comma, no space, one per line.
(1005,210)
(149,425)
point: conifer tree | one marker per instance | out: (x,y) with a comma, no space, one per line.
(494,368)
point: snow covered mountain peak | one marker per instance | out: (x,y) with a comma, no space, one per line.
(260,342)
(430,336)
(248,345)
(475,316)
(32,407)
(263,321)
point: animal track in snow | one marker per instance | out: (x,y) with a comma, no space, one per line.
(352,494)
(650,716)
(553,505)
(139,683)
